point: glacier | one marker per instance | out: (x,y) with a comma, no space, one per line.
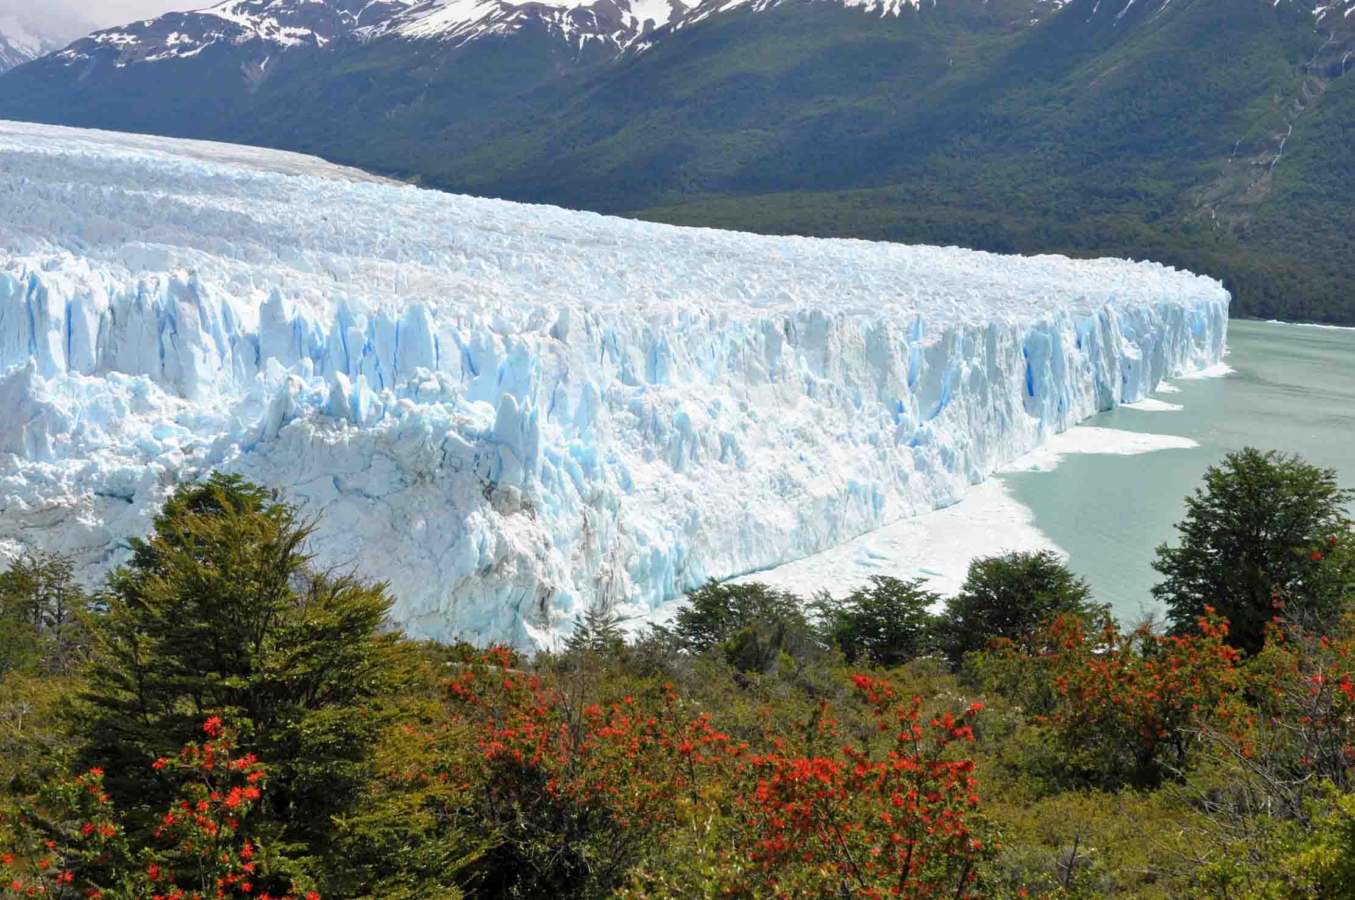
(516,413)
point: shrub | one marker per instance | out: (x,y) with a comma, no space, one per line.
(1123,709)
(871,820)
(210,841)
(571,793)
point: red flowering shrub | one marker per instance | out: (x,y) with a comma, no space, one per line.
(892,818)
(579,794)
(67,845)
(72,843)
(571,791)
(1299,731)
(1126,708)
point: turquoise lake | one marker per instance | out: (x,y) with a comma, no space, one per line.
(1292,389)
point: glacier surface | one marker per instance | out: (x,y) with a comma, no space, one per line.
(513,413)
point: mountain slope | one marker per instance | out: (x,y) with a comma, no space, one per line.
(1206,133)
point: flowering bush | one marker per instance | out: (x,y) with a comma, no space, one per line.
(582,793)
(889,820)
(572,791)
(73,843)
(1303,688)
(1125,707)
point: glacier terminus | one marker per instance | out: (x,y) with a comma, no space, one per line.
(515,413)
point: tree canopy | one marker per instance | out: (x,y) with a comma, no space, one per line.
(1259,539)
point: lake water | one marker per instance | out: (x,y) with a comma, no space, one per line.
(1292,389)
(1106,494)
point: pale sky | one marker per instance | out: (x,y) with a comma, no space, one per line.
(62,16)
(116,12)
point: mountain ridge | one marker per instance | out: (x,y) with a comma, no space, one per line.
(1210,134)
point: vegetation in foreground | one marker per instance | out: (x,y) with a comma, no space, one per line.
(223,720)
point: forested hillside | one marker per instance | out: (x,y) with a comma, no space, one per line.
(1212,134)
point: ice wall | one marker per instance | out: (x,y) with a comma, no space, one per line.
(514,412)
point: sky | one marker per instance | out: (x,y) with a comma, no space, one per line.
(116,12)
(64,16)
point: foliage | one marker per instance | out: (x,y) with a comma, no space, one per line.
(406,837)
(574,791)
(581,795)
(1010,597)
(73,842)
(751,623)
(682,764)
(1323,864)
(219,614)
(885,624)
(1255,542)
(1123,709)
(40,615)
(859,823)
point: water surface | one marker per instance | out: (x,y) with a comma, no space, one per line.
(1292,389)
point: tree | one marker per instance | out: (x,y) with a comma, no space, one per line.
(596,631)
(886,624)
(219,613)
(1010,597)
(752,623)
(1257,539)
(40,608)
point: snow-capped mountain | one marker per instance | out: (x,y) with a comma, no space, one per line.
(266,27)
(270,26)
(519,413)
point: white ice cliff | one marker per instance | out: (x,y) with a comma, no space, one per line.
(514,412)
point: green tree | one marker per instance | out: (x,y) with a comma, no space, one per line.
(1257,539)
(1010,597)
(752,623)
(597,631)
(219,613)
(886,624)
(41,606)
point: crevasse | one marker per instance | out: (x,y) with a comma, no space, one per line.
(513,413)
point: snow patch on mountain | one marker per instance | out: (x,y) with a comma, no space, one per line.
(516,413)
(263,28)
(1328,12)
(272,26)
